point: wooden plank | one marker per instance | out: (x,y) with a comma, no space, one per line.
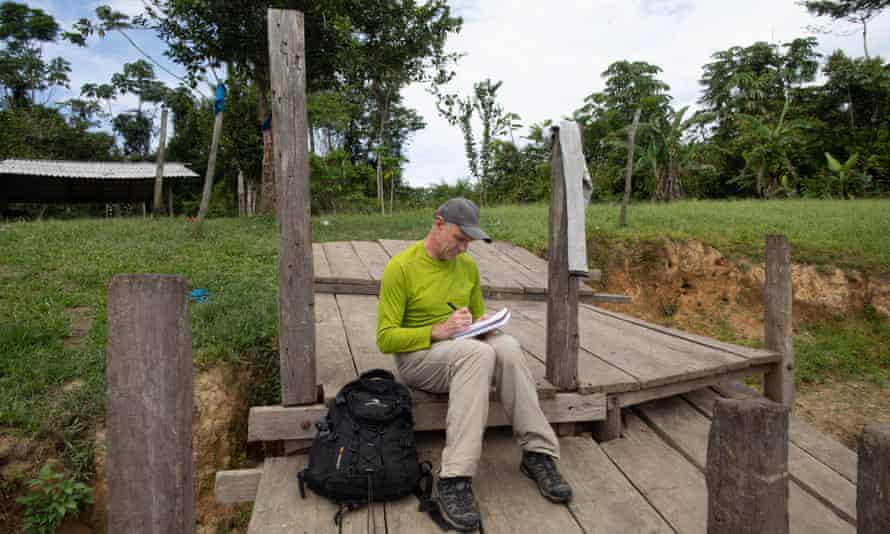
(825,449)
(394,246)
(344,261)
(508,501)
(825,484)
(874,479)
(762,356)
(594,375)
(677,388)
(748,485)
(373,257)
(296,321)
(335,365)
(237,485)
(686,430)
(271,423)
(320,266)
(149,420)
(504,273)
(402,516)
(652,359)
(278,508)
(778,385)
(359,313)
(533,264)
(672,485)
(603,501)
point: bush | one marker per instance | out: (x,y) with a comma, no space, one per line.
(53,496)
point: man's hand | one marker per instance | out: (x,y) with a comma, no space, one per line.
(457,322)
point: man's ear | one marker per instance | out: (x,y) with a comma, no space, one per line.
(438,221)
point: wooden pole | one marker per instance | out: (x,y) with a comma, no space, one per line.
(157,206)
(747,468)
(170,199)
(778,385)
(242,201)
(873,486)
(562,288)
(149,411)
(628,184)
(296,304)
(208,178)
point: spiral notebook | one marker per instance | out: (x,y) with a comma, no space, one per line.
(482,326)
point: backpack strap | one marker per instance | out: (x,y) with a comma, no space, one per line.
(301,483)
(424,492)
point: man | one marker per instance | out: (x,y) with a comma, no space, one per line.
(429,292)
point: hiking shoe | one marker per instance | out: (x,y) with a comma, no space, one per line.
(542,469)
(457,504)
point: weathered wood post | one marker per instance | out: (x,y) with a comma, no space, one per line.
(562,287)
(296,304)
(149,411)
(778,385)
(873,486)
(747,468)
(242,199)
(157,205)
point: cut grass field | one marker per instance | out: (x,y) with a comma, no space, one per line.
(53,389)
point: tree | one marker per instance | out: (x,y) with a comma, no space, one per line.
(855,11)
(135,126)
(24,73)
(667,144)
(460,111)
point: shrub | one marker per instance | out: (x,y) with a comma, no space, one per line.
(52,496)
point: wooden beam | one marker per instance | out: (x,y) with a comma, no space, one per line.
(296,315)
(873,490)
(778,385)
(562,288)
(157,206)
(237,485)
(272,423)
(748,484)
(149,410)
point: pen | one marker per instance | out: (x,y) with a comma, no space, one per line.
(451,305)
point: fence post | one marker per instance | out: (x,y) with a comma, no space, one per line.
(873,482)
(157,205)
(747,468)
(778,385)
(149,411)
(562,288)
(296,304)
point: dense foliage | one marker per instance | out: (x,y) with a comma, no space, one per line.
(771,121)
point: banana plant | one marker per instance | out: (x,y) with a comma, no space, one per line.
(843,173)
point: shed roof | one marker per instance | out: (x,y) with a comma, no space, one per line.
(90,170)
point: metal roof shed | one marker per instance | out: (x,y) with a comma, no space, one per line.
(79,182)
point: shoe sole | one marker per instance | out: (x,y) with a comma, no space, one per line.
(549,497)
(457,526)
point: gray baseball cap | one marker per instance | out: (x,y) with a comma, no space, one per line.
(465,214)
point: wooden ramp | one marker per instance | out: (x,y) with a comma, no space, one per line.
(649,481)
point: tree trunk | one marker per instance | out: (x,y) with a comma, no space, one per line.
(669,187)
(208,178)
(865,37)
(384,111)
(392,194)
(631,136)
(157,206)
(267,178)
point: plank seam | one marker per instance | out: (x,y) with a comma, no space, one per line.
(666,438)
(359,256)
(640,492)
(660,330)
(580,348)
(346,336)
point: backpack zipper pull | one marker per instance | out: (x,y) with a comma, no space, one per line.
(339,457)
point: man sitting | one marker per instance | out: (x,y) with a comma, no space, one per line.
(429,292)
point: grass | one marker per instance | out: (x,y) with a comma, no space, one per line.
(49,267)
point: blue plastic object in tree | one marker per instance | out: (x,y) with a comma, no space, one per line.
(199,295)
(219,101)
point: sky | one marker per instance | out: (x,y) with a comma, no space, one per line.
(549,55)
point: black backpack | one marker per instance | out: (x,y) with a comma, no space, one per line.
(364,450)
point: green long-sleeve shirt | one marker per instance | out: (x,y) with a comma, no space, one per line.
(414,296)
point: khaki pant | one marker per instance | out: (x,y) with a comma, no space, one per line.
(466,369)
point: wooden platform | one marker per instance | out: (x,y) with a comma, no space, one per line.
(649,481)
(622,361)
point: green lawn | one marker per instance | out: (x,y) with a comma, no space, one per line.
(49,267)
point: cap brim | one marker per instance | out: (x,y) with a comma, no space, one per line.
(474,232)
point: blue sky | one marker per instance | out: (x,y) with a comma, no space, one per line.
(548,54)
